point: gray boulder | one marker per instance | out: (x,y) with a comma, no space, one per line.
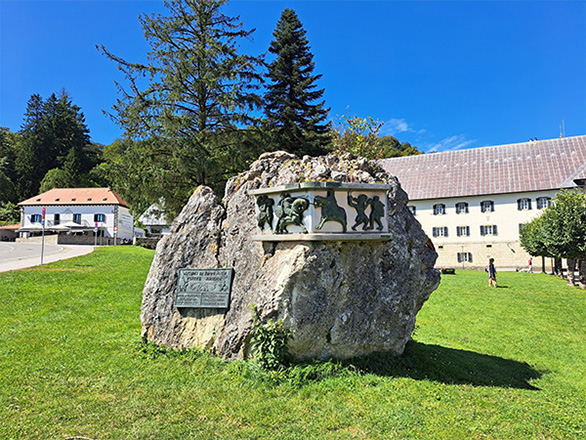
(341,299)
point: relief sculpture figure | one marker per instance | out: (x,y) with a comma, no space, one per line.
(360,204)
(330,211)
(376,213)
(265,212)
(290,212)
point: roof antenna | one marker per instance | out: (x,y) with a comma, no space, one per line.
(562,129)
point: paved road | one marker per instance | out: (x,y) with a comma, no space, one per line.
(15,256)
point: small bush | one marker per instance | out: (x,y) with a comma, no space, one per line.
(270,342)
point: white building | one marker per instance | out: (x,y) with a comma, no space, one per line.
(77,212)
(472,203)
(155,220)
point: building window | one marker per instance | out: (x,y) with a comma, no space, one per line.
(439,209)
(488,230)
(543,202)
(441,231)
(77,218)
(487,206)
(524,204)
(100,218)
(463,231)
(36,218)
(56,219)
(464,257)
(462,208)
(412,209)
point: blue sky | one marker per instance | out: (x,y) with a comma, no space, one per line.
(443,75)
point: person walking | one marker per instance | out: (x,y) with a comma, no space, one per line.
(491,273)
(530,265)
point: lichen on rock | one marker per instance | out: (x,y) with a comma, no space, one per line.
(341,299)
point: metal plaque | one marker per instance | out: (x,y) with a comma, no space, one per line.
(204,288)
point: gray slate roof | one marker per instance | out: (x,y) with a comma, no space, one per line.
(529,166)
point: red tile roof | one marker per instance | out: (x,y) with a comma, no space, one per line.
(529,166)
(76,196)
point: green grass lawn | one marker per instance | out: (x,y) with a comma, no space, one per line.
(507,363)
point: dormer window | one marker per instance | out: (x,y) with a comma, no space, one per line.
(439,209)
(105,199)
(57,199)
(74,199)
(89,199)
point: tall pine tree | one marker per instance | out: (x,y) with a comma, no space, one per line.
(53,131)
(193,94)
(293,115)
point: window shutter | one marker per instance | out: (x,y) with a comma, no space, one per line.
(491,206)
(482,230)
(529,203)
(458,231)
(494,230)
(469,257)
(468,231)
(445,231)
(466,208)
(459,257)
(518,204)
(434,232)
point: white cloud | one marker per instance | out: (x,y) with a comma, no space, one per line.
(452,143)
(398,125)
(395,126)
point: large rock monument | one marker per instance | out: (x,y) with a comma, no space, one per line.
(326,243)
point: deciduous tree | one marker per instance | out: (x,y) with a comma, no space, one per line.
(560,232)
(360,136)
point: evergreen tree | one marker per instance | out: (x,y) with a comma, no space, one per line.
(8,177)
(53,133)
(294,116)
(198,89)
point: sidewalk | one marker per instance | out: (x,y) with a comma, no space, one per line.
(67,252)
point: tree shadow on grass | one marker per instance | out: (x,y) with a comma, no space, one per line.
(450,366)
